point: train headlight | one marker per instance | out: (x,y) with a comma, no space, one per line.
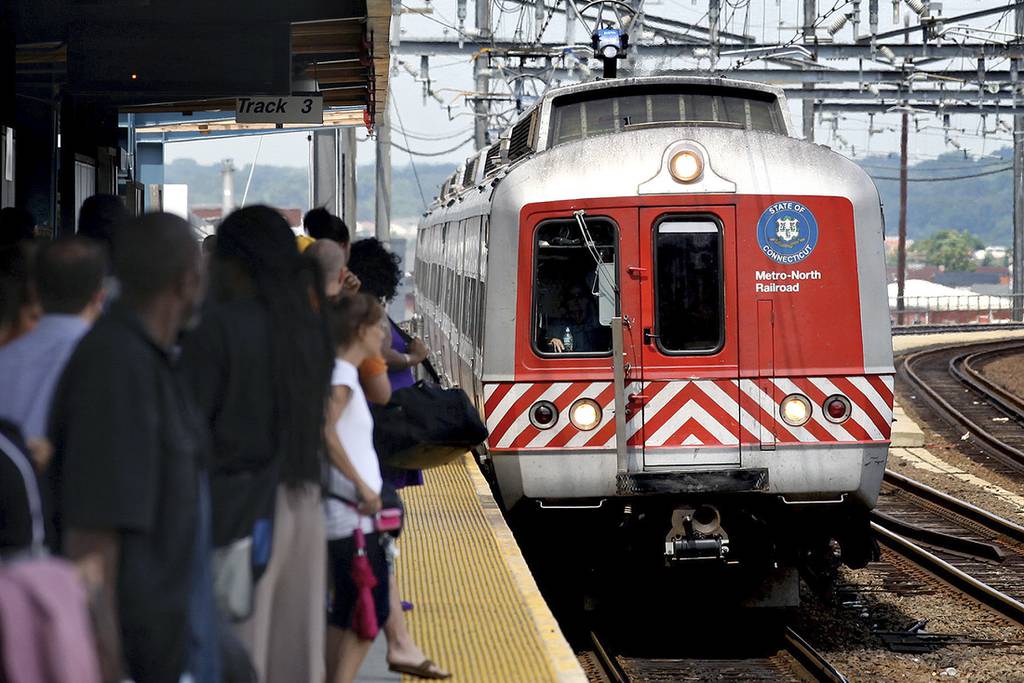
(585,414)
(686,166)
(795,410)
(837,408)
(543,415)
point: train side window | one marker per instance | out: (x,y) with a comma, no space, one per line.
(482,300)
(566,311)
(689,285)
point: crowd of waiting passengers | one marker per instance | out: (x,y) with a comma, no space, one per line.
(187,468)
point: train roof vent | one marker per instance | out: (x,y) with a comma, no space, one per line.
(521,140)
(493,159)
(469,177)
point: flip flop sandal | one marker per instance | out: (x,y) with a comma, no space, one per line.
(423,670)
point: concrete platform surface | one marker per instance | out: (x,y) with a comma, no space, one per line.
(905,432)
(906,342)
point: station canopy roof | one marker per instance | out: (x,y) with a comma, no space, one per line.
(184,57)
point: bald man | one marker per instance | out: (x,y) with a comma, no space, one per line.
(333,262)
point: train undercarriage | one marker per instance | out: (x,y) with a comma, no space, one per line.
(739,550)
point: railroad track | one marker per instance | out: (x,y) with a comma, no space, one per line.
(977,552)
(793,659)
(949,381)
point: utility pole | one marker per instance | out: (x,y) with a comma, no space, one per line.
(482,81)
(713,37)
(810,16)
(348,177)
(227,187)
(901,254)
(1018,184)
(382,216)
(570,22)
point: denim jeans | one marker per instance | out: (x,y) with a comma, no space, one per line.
(204,651)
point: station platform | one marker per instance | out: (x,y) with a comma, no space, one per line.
(477,609)
(908,342)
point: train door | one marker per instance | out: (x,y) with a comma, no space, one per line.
(687,319)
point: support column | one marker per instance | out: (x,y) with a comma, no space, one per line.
(1018,187)
(482,83)
(85,127)
(383,194)
(149,165)
(326,175)
(901,254)
(807,118)
(348,177)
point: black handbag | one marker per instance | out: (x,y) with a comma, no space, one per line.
(426,426)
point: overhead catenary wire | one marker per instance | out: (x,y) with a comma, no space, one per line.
(939,180)
(432,154)
(412,162)
(252,169)
(430,138)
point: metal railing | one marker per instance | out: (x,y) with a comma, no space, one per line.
(955,310)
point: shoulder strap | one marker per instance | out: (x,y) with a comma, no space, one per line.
(346,501)
(24,466)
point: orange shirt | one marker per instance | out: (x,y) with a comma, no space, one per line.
(372,367)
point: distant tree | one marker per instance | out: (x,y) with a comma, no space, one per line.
(949,249)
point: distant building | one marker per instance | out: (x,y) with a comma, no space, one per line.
(994,253)
(209,218)
(967,278)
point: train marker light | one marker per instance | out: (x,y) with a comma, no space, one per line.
(686,166)
(795,410)
(585,414)
(837,408)
(543,415)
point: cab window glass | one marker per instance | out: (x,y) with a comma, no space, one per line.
(573,271)
(584,115)
(689,285)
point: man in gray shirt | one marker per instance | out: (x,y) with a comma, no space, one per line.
(69,280)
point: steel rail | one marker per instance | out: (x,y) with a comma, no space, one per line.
(1006,453)
(802,652)
(959,579)
(1006,399)
(812,660)
(993,522)
(611,668)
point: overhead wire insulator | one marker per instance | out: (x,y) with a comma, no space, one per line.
(917,6)
(837,24)
(887,52)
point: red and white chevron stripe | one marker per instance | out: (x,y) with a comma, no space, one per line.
(691,412)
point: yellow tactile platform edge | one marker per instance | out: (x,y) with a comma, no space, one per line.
(478,611)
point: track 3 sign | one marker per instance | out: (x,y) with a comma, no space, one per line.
(291,109)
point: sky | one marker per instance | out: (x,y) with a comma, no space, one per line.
(430,127)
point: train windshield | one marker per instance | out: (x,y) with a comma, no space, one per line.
(569,285)
(584,115)
(688,285)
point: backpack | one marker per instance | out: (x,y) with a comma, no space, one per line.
(425,426)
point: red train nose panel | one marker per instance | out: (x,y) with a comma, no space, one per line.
(692,413)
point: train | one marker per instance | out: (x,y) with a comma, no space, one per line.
(672,314)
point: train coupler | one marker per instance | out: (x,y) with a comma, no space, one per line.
(696,534)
